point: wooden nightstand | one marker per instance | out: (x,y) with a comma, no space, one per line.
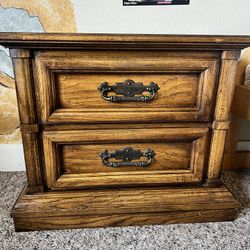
(123,129)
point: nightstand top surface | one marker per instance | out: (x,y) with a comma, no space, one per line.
(78,40)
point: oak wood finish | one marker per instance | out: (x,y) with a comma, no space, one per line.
(28,117)
(123,207)
(65,124)
(221,115)
(119,220)
(72,157)
(66,79)
(123,41)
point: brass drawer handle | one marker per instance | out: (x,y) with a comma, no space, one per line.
(126,156)
(131,91)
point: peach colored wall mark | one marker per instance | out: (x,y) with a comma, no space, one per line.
(30,16)
(55,15)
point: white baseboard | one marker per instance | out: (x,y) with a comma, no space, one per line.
(243,146)
(12,158)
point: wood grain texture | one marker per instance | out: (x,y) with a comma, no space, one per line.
(72,157)
(85,158)
(58,210)
(222,108)
(226,85)
(29,128)
(24,86)
(32,156)
(28,118)
(65,80)
(65,124)
(121,220)
(176,91)
(124,200)
(205,42)
(216,156)
(220,125)
(104,126)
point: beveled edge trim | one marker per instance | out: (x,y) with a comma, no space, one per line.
(85,201)
(145,41)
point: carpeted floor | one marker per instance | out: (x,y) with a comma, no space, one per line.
(224,235)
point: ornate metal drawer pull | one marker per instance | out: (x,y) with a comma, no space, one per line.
(126,156)
(131,91)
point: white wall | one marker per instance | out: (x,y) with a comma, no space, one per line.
(200,17)
(12,158)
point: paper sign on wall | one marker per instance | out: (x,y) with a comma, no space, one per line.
(155,2)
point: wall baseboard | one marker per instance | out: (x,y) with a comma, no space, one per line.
(12,158)
(243,146)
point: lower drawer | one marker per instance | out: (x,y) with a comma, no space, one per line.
(124,157)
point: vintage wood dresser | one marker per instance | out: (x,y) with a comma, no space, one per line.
(123,129)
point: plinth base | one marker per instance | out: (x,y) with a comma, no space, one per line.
(122,207)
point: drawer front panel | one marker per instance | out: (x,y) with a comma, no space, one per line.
(70,86)
(176,91)
(77,158)
(170,156)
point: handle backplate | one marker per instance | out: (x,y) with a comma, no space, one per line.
(128,91)
(127,155)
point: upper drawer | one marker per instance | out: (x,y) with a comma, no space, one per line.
(93,86)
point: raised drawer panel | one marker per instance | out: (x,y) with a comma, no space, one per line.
(72,157)
(84,158)
(176,90)
(67,86)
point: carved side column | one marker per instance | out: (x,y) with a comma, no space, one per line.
(220,126)
(27,111)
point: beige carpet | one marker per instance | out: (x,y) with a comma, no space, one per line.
(224,235)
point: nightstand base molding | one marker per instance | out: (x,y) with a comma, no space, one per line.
(122,207)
